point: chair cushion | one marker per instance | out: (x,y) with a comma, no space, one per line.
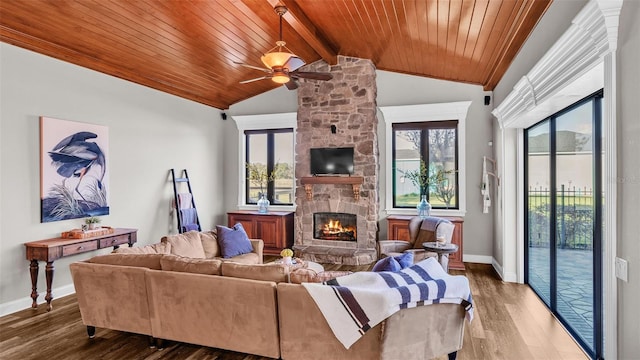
(186,245)
(197,266)
(233,241)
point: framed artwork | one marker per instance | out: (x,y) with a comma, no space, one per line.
(74,176)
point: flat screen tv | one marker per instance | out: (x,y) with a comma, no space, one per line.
(332,161)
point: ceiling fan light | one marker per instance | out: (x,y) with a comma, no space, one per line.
(280,78)
(276,58)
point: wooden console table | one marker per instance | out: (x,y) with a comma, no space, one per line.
(398,229)
(53,249)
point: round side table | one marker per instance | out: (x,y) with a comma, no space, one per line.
(439,249)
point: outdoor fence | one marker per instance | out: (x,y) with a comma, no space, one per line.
(574,217)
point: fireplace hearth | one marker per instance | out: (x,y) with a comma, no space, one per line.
(335,226)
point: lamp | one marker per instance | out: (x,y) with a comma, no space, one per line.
(280,59)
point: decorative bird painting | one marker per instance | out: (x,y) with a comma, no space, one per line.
(74,169)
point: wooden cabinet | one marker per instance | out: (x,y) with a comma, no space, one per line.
(274,228)
(398,229)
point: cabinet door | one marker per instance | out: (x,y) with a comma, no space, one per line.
(247,224)
(267,229)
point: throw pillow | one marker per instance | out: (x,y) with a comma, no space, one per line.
(187,245)
(233,241)
(302,275)
(196,266)
(394,263)
(387,264)
(210,244)
(405,260)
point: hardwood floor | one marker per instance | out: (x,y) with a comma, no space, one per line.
(510,323)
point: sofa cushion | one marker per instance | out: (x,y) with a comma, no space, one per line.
(151,261)
(210,244)
(187,244)
(299,276)
(197,266)
(250,258)
(233,241)
(266,272)
(159,248)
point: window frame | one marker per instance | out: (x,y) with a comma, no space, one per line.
(424,127)
(255,123)
(454,111)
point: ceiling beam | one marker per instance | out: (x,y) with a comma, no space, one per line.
(305,28)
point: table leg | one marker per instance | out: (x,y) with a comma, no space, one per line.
(49,275)
(33,269)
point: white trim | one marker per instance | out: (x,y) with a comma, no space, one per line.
(587,48)
(421,113)
(505,276)
(261,122)
(25,302)
(520,213)
(478,259)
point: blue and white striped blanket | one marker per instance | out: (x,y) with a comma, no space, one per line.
(355,303)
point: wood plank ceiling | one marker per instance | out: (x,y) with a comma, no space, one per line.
(187,47)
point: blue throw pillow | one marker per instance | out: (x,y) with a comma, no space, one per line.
(387,264)
(405,260)
(233,241)
(394,263)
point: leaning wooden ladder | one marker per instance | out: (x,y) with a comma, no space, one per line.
(186,212)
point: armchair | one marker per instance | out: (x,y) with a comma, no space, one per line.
(420,230)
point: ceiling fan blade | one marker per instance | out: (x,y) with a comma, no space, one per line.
(256,79)
(294,63)
(252,67)
(291,84)
(312,75)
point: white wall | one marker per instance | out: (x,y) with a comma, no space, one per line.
(150,132)
(396,89)
(628,245)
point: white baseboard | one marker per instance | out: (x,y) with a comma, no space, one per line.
(506,277)
(480,259)
(25,303)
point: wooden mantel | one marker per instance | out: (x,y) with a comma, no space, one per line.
(354,181)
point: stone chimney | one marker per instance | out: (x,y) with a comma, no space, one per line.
(348,101)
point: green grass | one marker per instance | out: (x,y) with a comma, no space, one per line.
(411,200)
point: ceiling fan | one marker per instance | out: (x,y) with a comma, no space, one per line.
(282,66)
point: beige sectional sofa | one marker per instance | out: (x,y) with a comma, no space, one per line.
(221,304)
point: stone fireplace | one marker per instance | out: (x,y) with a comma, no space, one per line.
(338,113)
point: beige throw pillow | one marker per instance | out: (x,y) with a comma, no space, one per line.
(266,272)
(196,266)
(299,276)
(210,244)
(187,244)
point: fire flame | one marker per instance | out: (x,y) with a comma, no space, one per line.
(335,227)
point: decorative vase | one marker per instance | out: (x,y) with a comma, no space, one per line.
(92,226)
(263,205)
(424,208)
(287,260)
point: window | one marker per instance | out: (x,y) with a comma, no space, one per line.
(425,153)
(266,160)
(269,166)
(431,134)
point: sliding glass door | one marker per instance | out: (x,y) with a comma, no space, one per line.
(564,226)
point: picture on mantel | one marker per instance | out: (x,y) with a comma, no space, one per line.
(73,169)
